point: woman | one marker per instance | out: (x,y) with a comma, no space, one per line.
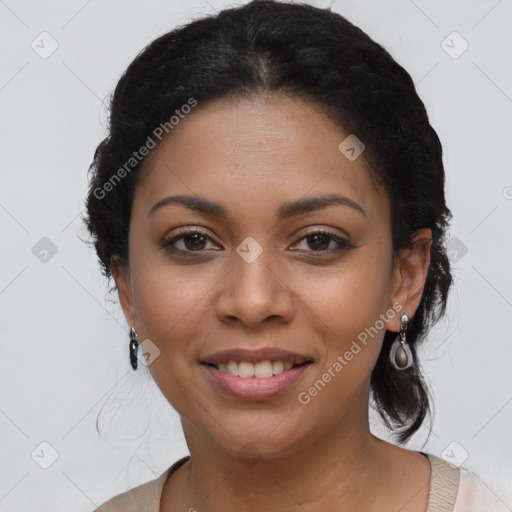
(270,203)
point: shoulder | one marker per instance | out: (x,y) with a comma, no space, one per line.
(444,484)
(467,491)
(144,497)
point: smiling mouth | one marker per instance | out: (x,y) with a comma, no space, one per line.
(262,370)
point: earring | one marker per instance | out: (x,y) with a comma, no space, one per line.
(401,355)
(134,345)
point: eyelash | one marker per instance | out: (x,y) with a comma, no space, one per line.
(183,232)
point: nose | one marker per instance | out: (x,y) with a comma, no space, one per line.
(255,293)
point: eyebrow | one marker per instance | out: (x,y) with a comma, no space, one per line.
(287,210)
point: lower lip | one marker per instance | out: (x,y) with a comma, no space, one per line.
(252,388)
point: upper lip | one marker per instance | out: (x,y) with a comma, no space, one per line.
(255,356)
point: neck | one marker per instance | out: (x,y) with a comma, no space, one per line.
(345,466)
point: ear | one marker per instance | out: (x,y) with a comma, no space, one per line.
(121,276)
(409,276)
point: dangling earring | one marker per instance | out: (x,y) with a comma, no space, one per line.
(134,345)
(401,355)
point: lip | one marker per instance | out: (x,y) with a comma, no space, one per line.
(253,388)
(256,356)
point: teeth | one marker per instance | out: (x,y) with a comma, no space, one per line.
(277,367)
(262,370)
(245,369)
(232,368)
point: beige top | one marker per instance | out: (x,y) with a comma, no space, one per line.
(444,485)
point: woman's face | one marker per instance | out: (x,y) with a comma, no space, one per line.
(256,277)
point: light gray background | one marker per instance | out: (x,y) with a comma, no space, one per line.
(64,341)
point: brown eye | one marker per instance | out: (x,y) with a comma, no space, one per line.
(319,241)
(194,241)
(189,240)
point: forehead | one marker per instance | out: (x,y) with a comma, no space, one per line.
(256,151)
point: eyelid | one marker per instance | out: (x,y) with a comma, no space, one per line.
(192,229)
(324,230)
(309,231)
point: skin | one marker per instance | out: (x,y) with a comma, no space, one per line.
(252,155)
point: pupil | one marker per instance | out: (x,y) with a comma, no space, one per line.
(320,236)
(196,237)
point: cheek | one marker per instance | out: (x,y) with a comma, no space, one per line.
(168,306)
(354,309)
(170,303)
(352,296)
(173,303)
